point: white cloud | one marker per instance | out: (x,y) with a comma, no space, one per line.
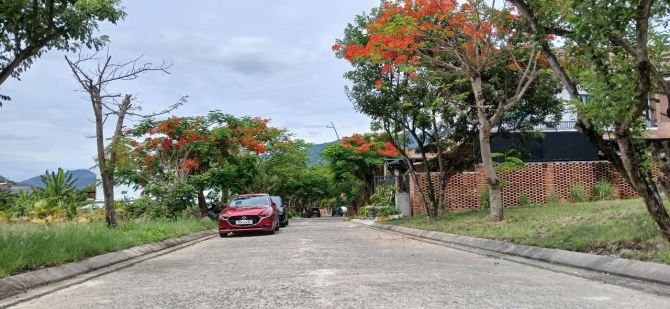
(269,59)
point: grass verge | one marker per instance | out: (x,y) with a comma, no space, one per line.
(26,246)
(621,228)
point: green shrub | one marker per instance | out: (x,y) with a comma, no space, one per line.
(524,199)
(145,207)
(603,190)
(383,196)
(388,211)
(292,213)
(363,212)
(485,199)
(578,194)
(553,198)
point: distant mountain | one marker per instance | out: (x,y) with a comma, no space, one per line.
(315,153)
(84,178)
(2,178)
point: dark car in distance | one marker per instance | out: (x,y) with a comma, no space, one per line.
(247,213)
(281,211)
(314,212)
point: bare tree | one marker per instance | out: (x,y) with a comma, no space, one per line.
(95,81)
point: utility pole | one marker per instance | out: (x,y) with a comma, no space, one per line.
(332,126)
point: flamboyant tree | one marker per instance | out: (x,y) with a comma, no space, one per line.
(181,157)
(358,155)
(443,37)
(616,51)
(410,103)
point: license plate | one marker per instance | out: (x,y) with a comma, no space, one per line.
(242,222)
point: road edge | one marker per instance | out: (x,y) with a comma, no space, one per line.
(638,270)
(21,283)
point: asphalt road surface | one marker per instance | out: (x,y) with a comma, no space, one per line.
(330,263)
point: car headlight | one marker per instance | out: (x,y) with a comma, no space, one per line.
(223,217)
(267,213)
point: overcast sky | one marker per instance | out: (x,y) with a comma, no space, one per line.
(263,58)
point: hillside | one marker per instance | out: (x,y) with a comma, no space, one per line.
(315,153)
(84,178)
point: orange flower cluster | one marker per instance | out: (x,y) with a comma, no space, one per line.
(369,144)
(404,27)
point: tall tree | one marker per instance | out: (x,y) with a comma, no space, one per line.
(95,82)
(30,28)
(445,41)
(614,51)
(181,157)
(358,155)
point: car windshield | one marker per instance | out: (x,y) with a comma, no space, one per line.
(277,200)
(249,201)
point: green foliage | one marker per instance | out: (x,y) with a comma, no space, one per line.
(58,195)
(553,198)
(170,199)
(292,213)
(184,156)
(33,27)
(383,196)
(578,194)
(485,199)
(524,199)
(603,190)
(388,211)
(58,184)
(363,212)
(144,207)
(356,157)
(506,162)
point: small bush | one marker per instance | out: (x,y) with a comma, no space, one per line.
(485,199)
(388,211)
(524,199)
(553,198)
(383,196)
(603,190)
(578,194)
(363,212)
(145,207)
(292,213)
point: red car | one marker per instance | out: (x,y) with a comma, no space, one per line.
(249,212)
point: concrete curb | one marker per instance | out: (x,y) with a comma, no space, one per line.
(645,271)
(13,285)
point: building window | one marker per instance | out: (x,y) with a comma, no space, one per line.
(585,97)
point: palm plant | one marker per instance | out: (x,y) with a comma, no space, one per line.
(59,191)
(60,185)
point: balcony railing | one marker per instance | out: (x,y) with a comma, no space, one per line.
(569,125)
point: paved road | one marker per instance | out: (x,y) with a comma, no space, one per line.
(329,263)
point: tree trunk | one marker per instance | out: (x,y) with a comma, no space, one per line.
(202,204)
(495,194)
(107,179)
(644,185)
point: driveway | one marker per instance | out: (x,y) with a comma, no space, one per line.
(330,263)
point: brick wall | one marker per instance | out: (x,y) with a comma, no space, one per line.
(465,190)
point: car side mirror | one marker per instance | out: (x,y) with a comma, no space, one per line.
(274,204)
